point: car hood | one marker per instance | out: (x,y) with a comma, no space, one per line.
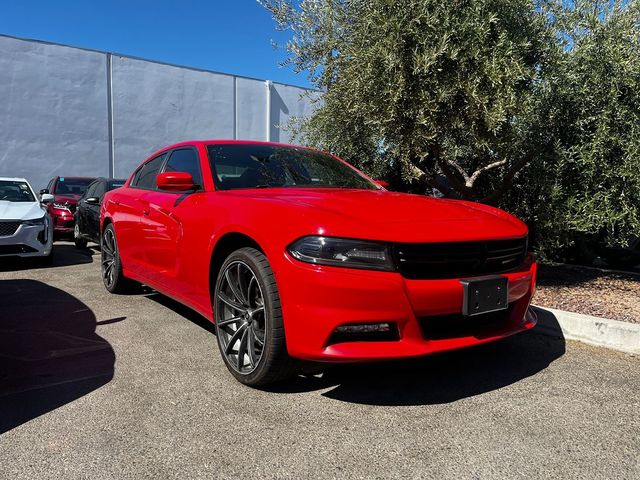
(67,198)
(384,215)
(20,210)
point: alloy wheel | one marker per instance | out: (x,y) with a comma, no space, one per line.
(240,317)
(108,257)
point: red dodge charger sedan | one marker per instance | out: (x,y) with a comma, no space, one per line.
(295,254)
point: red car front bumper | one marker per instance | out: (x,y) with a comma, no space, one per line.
(63,223)
(317,299)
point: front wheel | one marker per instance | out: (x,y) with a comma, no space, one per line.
(249,323)
(77,239)
(111,265)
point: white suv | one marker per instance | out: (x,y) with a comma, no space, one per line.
(26,229)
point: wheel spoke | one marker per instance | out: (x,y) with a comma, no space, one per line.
(229,321)
(251,347)
(230,302)
(242,348)
(234,288)
(259,341)
(234,338)
(251,283)
(241,290)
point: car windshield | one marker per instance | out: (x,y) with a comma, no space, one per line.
(259,166)
(15,191)
(72,186)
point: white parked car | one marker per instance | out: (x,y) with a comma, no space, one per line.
(26,229)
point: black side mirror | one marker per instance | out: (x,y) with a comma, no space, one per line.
(93,201)
(43,191)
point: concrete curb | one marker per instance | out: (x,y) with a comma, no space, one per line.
(602,332)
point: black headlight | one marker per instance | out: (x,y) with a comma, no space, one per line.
(342,252)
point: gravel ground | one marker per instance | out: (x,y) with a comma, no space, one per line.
(601,293)
(100,386)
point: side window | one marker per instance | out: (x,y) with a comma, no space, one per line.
(99,189)
(146,176)
(185,160)
(89,191)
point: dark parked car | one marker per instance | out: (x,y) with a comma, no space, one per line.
(87,227)
(66,191)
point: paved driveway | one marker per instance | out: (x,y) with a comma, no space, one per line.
(100,386)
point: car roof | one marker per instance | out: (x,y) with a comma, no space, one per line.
(74,178)
(189,143)
(14,179)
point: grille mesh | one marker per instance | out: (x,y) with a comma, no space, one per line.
(8,228)
(459,259)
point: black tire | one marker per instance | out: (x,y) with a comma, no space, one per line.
(111,265)
(80,242)
(274,363)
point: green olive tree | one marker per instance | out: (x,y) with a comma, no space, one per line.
(423,88)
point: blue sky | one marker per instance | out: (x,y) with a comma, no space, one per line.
(232,36)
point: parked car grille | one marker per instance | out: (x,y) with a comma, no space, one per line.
(459,259)
(8,228)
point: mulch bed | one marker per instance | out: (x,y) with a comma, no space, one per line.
(592,291)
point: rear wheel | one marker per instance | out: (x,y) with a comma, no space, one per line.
(111,266)
(249,323)
(77,239)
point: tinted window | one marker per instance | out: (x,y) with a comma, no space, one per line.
(259,166)
(15,191)
(72,186)
(185,160)
(146,176)
(91,190)
(100,189)
(115,183)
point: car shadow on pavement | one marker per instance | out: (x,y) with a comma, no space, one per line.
(50,354)
(441,378)
(181,310)
(64,255)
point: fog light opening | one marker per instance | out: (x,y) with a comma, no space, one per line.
(365,332)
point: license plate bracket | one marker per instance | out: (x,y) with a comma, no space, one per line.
(484,294)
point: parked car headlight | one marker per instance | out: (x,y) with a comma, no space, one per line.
(61,206)
(35,221)
(342,252)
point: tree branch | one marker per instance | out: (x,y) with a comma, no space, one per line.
(471,180)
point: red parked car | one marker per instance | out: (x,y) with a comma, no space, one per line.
(66,192)
(294,254)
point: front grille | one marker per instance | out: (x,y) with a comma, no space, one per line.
(459,259)
(8,228)
(456,325)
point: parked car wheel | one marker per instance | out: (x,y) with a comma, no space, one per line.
(112,276)
(77,239)
(249,323)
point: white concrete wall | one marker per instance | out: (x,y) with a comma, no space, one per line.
(54,109)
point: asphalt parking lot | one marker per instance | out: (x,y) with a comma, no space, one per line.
(100,386)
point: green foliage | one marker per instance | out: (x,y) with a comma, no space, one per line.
(532,104)
(590,184)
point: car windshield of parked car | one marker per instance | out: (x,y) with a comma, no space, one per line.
(15,191)
(238,166)
(72,186)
